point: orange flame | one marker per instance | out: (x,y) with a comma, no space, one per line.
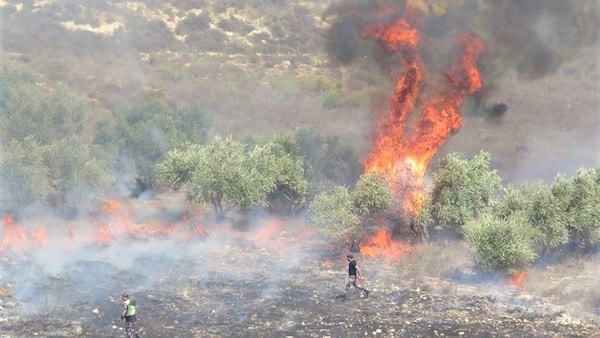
(14,239)
(267,231)
(408,138)
(40,236)
(104,234)
(382,245)
(518,280)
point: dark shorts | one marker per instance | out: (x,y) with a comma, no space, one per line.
(352,281)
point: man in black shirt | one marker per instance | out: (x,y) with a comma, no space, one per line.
(354,273)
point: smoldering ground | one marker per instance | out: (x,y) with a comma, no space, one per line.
(273,279)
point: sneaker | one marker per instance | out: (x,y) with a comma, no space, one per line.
(366,293)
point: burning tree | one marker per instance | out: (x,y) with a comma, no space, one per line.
(422,115)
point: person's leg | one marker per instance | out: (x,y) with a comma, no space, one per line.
(360,287)
(351,281)
(128,328)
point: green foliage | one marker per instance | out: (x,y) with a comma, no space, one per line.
(224,173)
(285,86)
(72,168)
(462,188)
(333,214)
(291,185)
(540,208)
(331,98)
(29,110)
(327,161)
(23,174)
(578,198)
(141,135)
(318,84)
(502,243)
(188,124)
(371,194)
(527,221)
(32,172)
(331,95)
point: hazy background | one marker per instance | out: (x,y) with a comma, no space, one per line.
(245,63)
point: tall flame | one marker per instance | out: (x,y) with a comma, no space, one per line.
(410,135)
(417,123)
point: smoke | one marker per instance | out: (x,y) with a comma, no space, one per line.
(73,264)
(529,38)
(539,90)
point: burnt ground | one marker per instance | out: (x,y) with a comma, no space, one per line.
(229,285)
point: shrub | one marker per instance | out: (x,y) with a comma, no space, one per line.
(579,199)
(502,244)
(462,188)
(333,214)
(540,209)
(371,194)
(331,98)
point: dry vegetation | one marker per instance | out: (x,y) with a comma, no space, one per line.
(258,67)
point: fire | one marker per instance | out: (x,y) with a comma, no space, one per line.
(518,279)
(267,231)
(414,129)
(382,244)
(104,234)
(40,236)
(418,122)
(14,238)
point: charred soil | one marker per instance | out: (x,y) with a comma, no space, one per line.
(233,287)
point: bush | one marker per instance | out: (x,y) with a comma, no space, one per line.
(579,199)
(540,209)
(502,244)
(28,110)
(462,188)
(333,214)
(140,136)
(331,98)
(371,194)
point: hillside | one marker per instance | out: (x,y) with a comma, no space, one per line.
(262,61)
(262,66)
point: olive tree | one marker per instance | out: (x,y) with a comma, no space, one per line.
(539,208)
(47,115)
(371,194)
(348,216)
(23,173)
(32,172)
(502,243)
(226,174)
(140,136)
(578,198)
(462,188)
(333,215)
(291,184)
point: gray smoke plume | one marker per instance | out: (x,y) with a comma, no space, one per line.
(531,38)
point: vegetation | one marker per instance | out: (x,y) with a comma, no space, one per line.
(155,128)
(348,217)
(139,137)
(225,174)
(462,188)
(502,244)
(334,216)
(40,127)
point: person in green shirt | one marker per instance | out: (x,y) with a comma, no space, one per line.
(128,314)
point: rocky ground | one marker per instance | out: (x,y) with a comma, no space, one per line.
(232,286)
